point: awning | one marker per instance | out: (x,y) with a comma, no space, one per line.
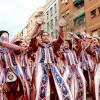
(78,33)
(85,31)
(76,2)
(79,15)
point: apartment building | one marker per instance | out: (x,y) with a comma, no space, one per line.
(52,16)
(81,15)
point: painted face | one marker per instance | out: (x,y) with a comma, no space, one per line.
(45,37)
(4,37)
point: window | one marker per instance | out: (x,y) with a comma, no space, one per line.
(56,21)
(93,13)
(79,21)
(47,13)
(56,33)
(94,33)
(48,26)
(67,12)
(62,1)
(66,1)
(52,34)
(63,15)
(81,5)
(99,31)
(51,11)
(21,34)
(51,23)
(99,10)
(31,22)
(55,6)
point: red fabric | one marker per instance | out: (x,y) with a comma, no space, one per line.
(11,96)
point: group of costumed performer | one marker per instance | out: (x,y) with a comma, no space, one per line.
(56,73)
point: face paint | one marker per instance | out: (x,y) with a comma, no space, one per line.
(4,38)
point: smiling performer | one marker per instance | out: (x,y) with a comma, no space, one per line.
(48,82)
(12,80)
(25,59)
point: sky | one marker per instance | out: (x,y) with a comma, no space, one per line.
(14,14)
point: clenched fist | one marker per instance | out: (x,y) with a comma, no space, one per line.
(61,22)
(39,21)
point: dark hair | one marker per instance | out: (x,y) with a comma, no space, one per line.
(70,43)
(44,32)
(18,42)
(79,36)
(97,39)
(3,31)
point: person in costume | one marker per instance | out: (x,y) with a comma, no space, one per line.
(25,59)
(12,80)
(95,52)
(73,73)
(48,82)
(88,65)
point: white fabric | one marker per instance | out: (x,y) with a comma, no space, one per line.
(74,88)
(97,81)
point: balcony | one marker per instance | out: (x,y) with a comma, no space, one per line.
(80,28)
(78,12)
(75,2)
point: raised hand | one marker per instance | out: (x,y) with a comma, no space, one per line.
(61,22)
(39,21)
(70,33)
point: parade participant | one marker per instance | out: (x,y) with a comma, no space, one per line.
(25,59)
(12,80)
(48,82)
(73,73)
(95,52)
(89,64)
(83,59)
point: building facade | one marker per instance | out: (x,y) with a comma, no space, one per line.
(92,13)
(52,15)
(31,21)
(25,33)
(77,14)
(74,14)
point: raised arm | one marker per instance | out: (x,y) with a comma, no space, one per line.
(35,32)
(61,35)
(78,46)
(11,46)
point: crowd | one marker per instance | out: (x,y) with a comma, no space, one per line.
(47,69)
